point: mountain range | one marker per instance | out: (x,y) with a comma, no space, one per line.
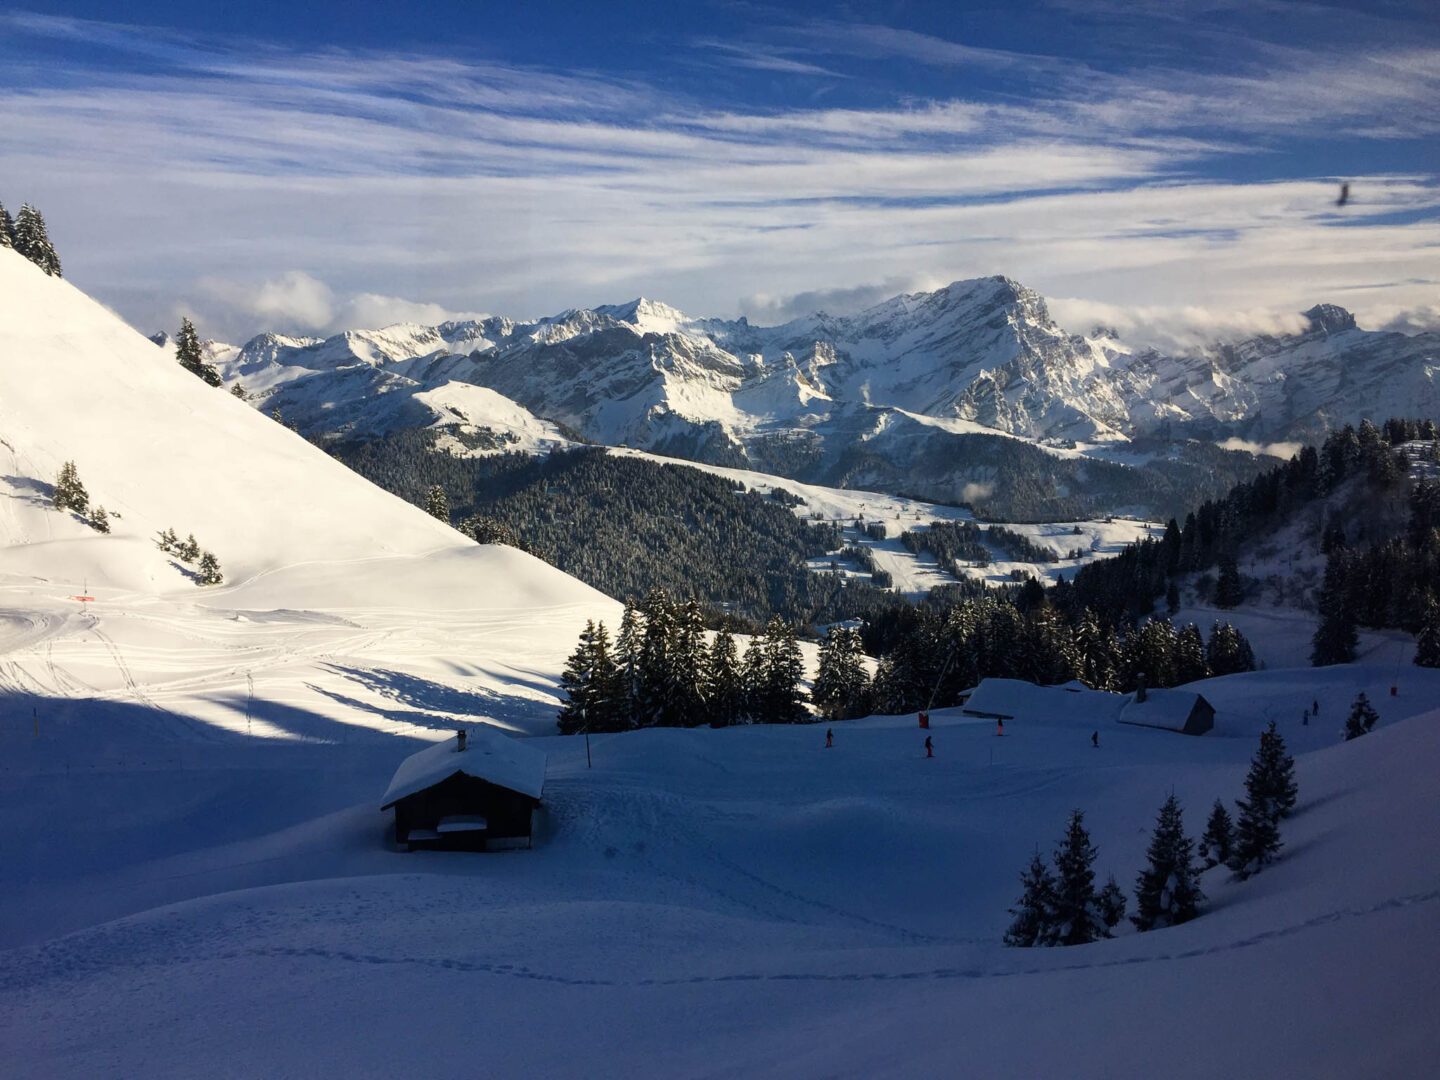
(927,393)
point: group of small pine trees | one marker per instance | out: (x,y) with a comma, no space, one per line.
(207,570)
(70,494)
(1063,907)
(660,672)
(28,236)
(1362,718)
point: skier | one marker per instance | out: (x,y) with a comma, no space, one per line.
(1095,739)
(1315,709)
(1305,718)
(829,738)
(999,726)
(929,749)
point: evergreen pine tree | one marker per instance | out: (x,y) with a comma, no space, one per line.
(189,550)
(1362,718)
(1269,796)
(722,680)
(1427,638)
(1190,665)
(784,668)
(236,390)
(1227,652)
(168,542)
(1172,591)
(436,504)
(627,663)
(577,681)
(687,666)
(209,572)
(1077,916)
(1335,638)
(840,681)
(7,229)
(1034,922)
(1111,903)
(191,356)
(1218,841)
(655,705)
(1228,591)
(31,239)
(1167,893)
(70,493)
(752,682)
(100,520)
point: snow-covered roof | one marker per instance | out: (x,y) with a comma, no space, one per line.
(1169,709)
(488,755)
(1015,698)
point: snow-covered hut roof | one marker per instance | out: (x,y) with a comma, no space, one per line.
(1173,710)
(488,755)
(1008,698)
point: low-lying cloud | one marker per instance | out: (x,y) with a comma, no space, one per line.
(1181,329)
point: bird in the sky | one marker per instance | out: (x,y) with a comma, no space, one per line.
(1344,195)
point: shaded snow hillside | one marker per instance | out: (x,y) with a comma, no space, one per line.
(339,600)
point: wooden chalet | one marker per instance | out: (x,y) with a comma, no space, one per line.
(475,792)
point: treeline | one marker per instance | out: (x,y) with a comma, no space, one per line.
(943,653)
(27,234)
(1063,906)
(954,542)
(660,671)
(1126,586)
(627,525)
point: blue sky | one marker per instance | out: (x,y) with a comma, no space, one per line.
(1170,169)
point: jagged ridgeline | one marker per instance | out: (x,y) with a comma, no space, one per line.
(626,525)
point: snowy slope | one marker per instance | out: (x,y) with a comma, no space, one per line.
(340,600)
(725,903)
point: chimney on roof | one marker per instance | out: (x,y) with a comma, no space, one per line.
(1139,694)
(459,739)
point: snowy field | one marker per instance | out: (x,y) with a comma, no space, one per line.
(724,903)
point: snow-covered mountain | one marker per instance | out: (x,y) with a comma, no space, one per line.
(975,354)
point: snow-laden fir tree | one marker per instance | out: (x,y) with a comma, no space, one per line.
(1111,903)
(70,493)
(656,704)
(1427,638)
(782,701)
(436,504)
(238,391)
(1152,650)
(723,693)
(590,683)
(1270,792)
(1077,909)
(1227,652)
(687,665)
(209,570)
(7,229)
(1190,665)
(100,520)
(191,356)
(1218,841)
(168,542)
(627,663)
(1034,922)
(1362,718)
(1335,638)
(840,681)
(31,239)
(1167,892)
(189,549)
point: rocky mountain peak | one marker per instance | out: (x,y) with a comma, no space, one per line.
(1330,319)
